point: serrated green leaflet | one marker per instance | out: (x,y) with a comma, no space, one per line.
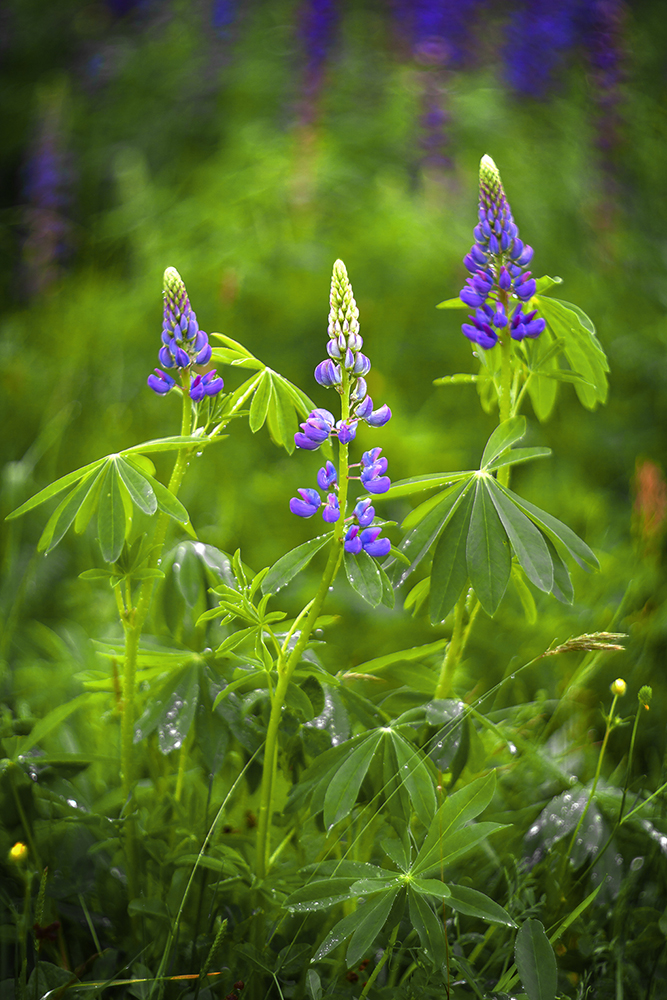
(487,550)
(528,543)
(292,563)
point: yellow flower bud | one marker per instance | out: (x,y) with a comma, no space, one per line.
(18,853)
(619,687)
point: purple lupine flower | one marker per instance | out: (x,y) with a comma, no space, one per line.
(347,430)
(364,513)
(539,35)
(373,544)
(328,374)
(351,540)
(181,337)
(315,430)
(308,505)
(318,23)
(379,417)
(327,476)
(205,385)
(160,382)
(496,262)
(373,470)
(331,511)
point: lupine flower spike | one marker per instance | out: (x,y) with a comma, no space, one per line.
(497,264)
(183,343)
(345,370)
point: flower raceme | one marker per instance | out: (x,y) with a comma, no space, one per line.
(345,370)
(497,264)
(183,343)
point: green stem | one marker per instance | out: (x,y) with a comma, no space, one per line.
(385,957)
(610,719)
(454,649)
(285,671)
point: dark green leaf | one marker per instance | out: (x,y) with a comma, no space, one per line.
(503,437)
(111,516)
(528,543)
(171,710)
(64,514)
(292,563)
(562,588)
(487,550)
(342,792)
(260,402)
(477,904)
(55,488)
(416,777)
(556,531)
(517,455)
(364,577)
(428,926)
(535,961)
(449,572)
(458,842)
(352,922)
(374,915)
(457,810)
(420,539)
(137,485)
(319,894)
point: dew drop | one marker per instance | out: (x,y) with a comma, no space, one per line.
(636,864)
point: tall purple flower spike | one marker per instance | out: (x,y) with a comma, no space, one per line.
(183,343)
(497,262)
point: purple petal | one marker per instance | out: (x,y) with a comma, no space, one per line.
(379,417)
(160,382)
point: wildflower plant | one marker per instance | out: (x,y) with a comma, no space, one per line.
(313,824)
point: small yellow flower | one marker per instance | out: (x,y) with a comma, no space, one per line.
(18,853)
(619,687)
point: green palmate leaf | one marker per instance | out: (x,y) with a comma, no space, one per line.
(54,720)
(428,926)
(64,514)
(542,388)
(363,574)
(374,915)
(341,795)
(280,418)
(292,563)
(457,810)
(487,550)
(89,503)
(554,529)
(368,918)
(406,487)
(562,588)
(418,541)
(545,282)
(138,487)
(320,894)
(111,516)
(166,444)
(450,571)
(503,437)
(535,961)
(416,777)
(459,842)
(581,348)
(171,710)
(517,455)
(55,488)
(388,596)
(260,402)
(167,502)
(528,543)
(477,904)
(419,513)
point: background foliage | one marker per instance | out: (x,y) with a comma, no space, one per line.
(250,146)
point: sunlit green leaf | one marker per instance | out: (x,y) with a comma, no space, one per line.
(457,810)
(111,516)
(137,485)
(461,379)
(418,541)
(260,402)
(292,563)
(64,514)
(55,488)
(502,438)
(364,576)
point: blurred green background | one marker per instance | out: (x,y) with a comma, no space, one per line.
(250,145)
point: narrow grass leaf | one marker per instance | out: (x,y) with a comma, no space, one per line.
(487,551)
(535,961)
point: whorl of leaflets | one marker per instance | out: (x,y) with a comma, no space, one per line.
(345,366)
(183,343)
(497,263)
